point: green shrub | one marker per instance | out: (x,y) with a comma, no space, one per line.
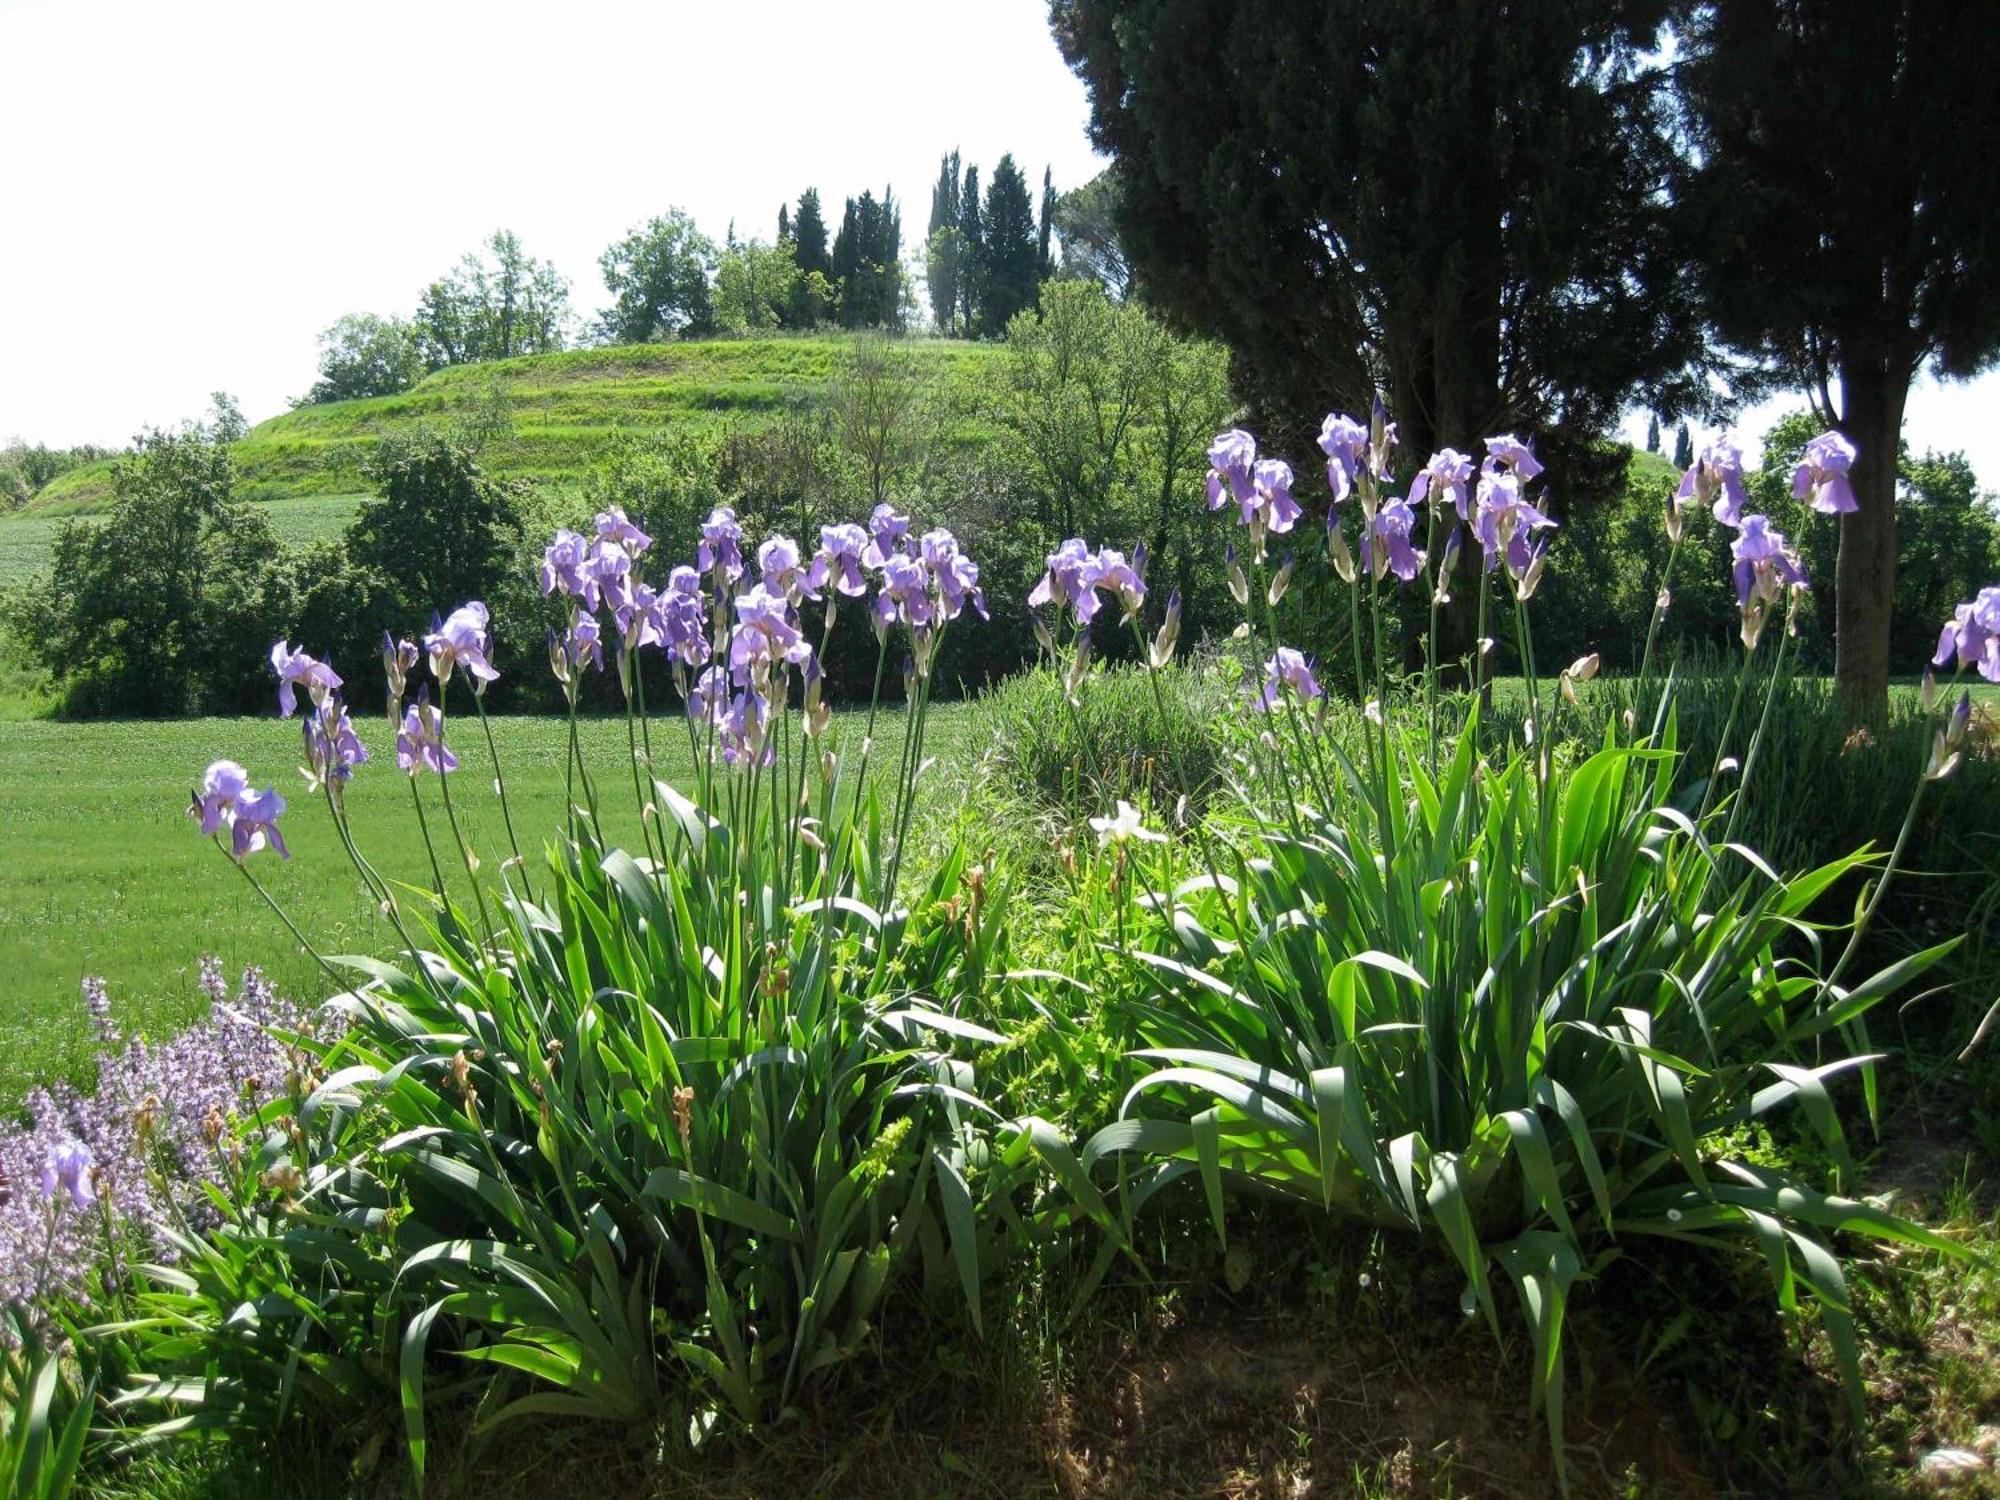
(1123,736)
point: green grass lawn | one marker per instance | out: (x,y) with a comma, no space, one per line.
(27,538)
(106,875)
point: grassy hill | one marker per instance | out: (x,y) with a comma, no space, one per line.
(565,408)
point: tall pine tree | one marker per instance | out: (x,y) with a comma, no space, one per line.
(1009,265)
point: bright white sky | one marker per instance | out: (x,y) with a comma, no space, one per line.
(193,193)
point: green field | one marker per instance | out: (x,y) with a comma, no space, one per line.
(105,874)
(565,410)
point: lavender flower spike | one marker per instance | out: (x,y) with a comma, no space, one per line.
(1822,474)
(294,667)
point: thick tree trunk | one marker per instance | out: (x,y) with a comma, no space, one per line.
(1872,398)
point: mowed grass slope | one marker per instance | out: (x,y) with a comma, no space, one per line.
(565,409)
(106,875)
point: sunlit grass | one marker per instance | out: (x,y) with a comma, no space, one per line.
(105,875)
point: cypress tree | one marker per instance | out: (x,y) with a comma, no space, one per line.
(972,250)
(809,232)
(784,222)
(1653,433)
(1683,447)
(942,259)
(846,265)
(1046,265)
(1008,266)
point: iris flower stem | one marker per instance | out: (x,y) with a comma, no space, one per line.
(1653,626)
(290,926)
(500,785)
(430,848)
(1728,729)
(471,862)
(1430,640)
(1757,735)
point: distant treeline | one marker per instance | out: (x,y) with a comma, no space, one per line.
(985,254)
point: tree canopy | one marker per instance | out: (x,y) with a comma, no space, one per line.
(493,305)
(658,278)
(1845,163)
(1459,205)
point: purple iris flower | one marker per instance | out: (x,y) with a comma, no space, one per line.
(721,549)
(1070,576)
(1764,563)
(1444,477)
(294,667)
(256,825)
(842,550)
(765,636)
(460,640)
(1232,462)
(1287,667)
(1716,476)
(613,527)
(957,575)
(67,1169)
(1390,532)
(584,642)
(709,693)
(420,745)
(640,617)
(1508,453)
(398,658)
(215,804)
(1274,502)
(1503,522)
(887,528)
(563,564)
(603,574)
(684,618)
(333,749)
(783,572)
(1973,636)
(743,730)
(1113,572)
(1344,441)
(905,593)
(1822,474)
